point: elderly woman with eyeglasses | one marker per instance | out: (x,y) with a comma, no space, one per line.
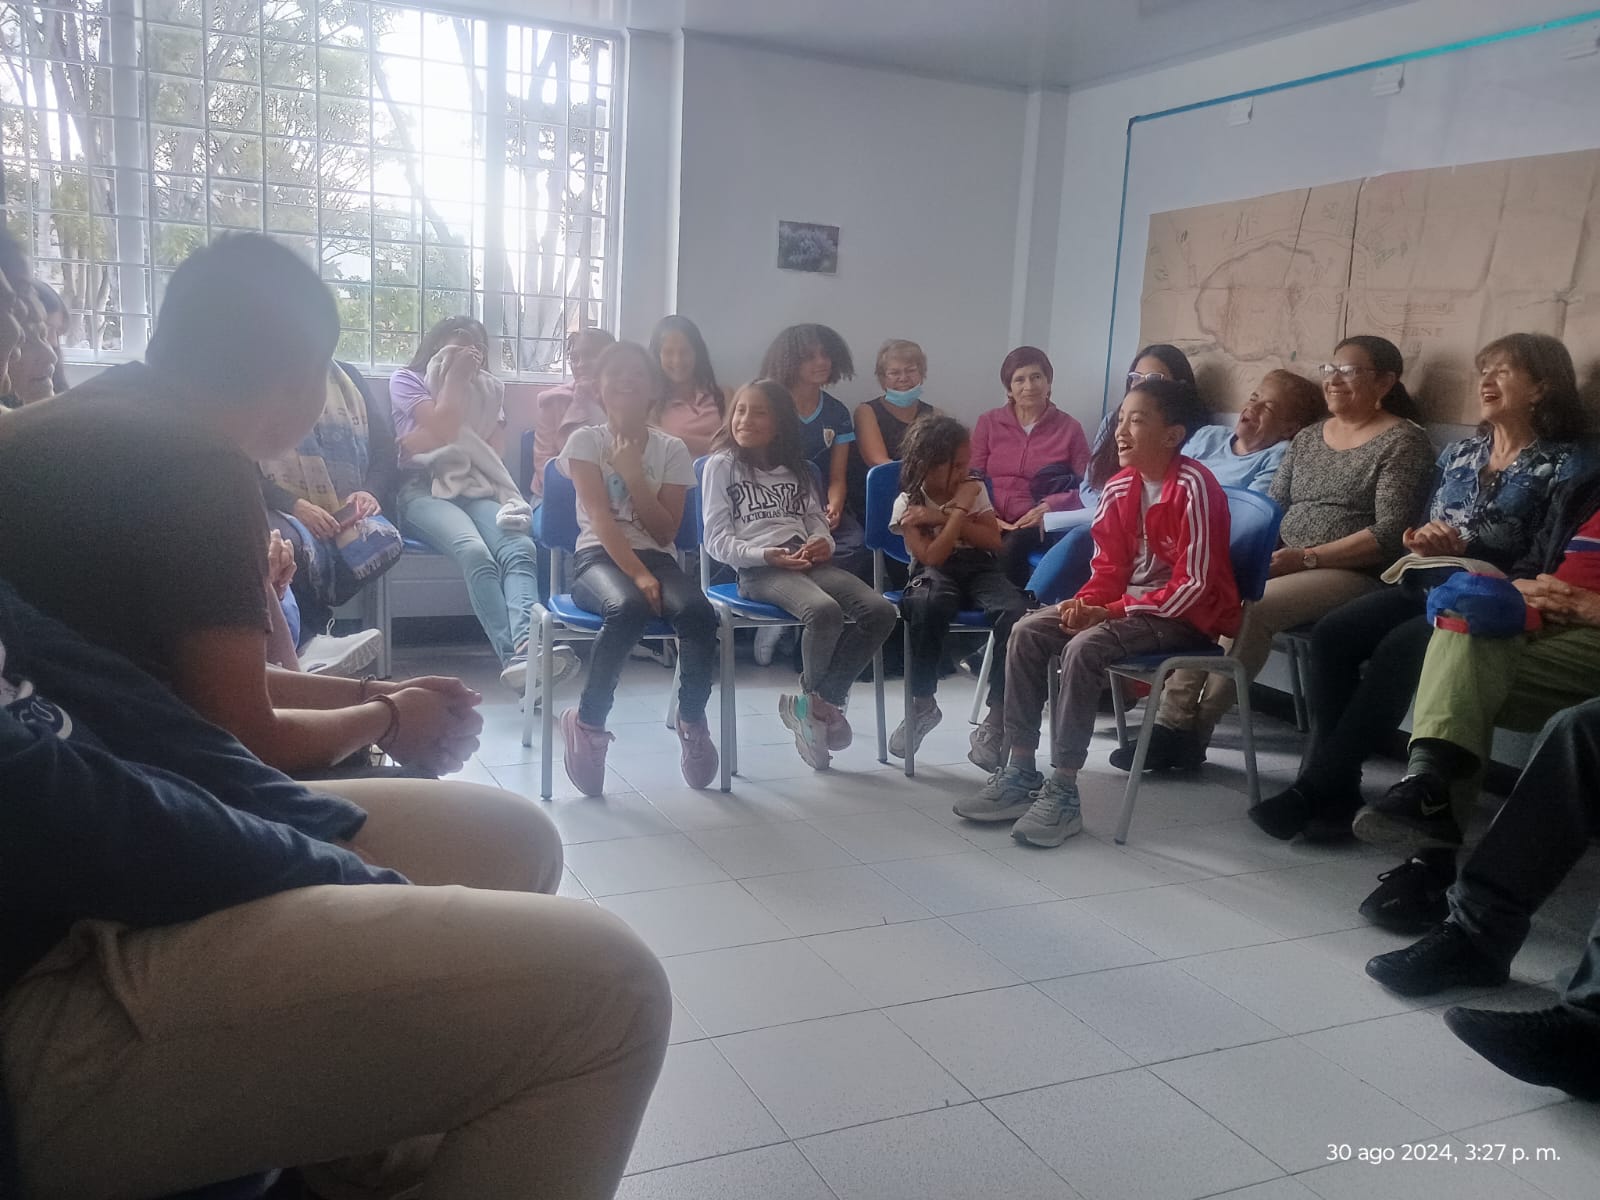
(1350,486)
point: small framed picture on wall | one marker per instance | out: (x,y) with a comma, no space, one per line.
(803,246)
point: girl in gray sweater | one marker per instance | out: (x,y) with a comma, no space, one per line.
(762,517)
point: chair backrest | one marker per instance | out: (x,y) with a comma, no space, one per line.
(883,488)
(1252,537)
(555,521)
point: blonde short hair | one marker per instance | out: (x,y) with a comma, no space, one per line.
(901,349)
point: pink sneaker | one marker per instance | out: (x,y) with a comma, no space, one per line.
(585,758)
(832,715)
(700,759)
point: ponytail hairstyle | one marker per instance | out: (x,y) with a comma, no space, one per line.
(1387,359)
(1103,459)
(787,448)
(930,443)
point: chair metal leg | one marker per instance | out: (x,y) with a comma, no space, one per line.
(1053,683)
(375,610)
(528,707)
(1247,734)
(730,734)
(877,693)
(547,669)
(1302,720)
(1119,707)
(672,702)
(1131,792)
(983,682)
(910,711)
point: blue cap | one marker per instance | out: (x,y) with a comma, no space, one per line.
(1491,606)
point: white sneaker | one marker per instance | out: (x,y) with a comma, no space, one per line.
(768,639)
(564,661)
(347,657)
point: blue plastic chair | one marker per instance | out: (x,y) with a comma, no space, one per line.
(1252,537)
(555,527)
(734,611)
(883,486)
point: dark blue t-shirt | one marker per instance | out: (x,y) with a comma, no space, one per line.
(828,427)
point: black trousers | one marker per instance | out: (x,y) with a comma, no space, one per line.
(1366,658)
(1543,829)
(967,579)
(601,586)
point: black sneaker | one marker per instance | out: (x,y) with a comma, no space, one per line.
(1553,1047)
(1410,899)
(1415,812)
(1170,750)
(1444,958)
(1283,816)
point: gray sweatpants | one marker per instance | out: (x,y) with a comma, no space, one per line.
(846,621)
(1084,658)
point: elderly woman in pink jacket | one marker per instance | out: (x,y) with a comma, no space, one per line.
(1032,454)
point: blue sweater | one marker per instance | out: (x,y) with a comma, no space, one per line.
(118,802)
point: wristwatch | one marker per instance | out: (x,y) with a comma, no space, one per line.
(1308,559)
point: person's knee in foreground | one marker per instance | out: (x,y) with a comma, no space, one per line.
(954,540)
(763,518)
(183,943)
(632,482)
(1542,830)
(1161,581)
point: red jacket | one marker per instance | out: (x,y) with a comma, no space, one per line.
(1188,528)
(1020,465)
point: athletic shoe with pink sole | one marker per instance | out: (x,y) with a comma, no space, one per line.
(839,732)
(585,757)
(700,759)
(802,716)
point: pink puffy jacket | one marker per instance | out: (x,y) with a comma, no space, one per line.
(1012,460)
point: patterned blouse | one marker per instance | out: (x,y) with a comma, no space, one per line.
(1498,513)
(1380,485)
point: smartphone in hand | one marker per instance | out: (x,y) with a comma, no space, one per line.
(347,516)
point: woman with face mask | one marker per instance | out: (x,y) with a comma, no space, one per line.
(882,424)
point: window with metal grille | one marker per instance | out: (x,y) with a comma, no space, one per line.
(429,163)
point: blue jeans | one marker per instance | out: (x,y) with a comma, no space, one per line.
(1064,568)
(502,577)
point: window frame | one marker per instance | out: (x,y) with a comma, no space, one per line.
(493,217)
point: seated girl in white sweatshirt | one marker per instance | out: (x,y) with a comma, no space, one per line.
(762,517)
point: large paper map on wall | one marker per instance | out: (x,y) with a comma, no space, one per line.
(1438,261)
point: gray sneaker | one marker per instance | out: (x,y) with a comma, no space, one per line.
(988,747)
(925,720)
(1054,816)
(1008,794)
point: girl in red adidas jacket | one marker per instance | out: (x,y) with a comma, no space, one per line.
(1162,582)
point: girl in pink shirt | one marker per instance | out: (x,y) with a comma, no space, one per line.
(692,408)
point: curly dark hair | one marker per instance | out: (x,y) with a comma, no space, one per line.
(433,341)
(930,442)
(1560,415)
(791,348)
(787,448)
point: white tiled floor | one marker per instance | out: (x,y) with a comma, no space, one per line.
(876,1000)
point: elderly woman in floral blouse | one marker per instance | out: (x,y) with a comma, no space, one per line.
(1491,493)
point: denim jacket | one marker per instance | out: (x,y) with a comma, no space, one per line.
(1498,515)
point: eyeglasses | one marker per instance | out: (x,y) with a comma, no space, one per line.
(1135,378)
(1345,371)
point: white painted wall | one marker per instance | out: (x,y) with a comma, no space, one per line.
(922,176)
(1096,128)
